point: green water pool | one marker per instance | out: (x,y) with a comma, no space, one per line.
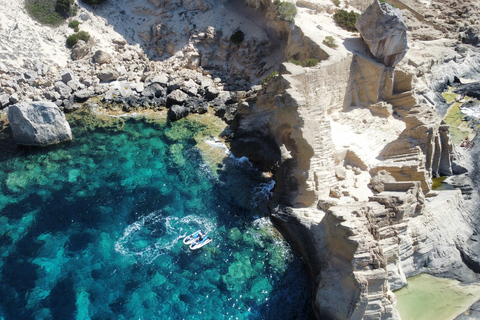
(427,297)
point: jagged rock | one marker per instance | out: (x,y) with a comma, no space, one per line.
(211,92)
(30,75)
(75,85)
(38,124)
(161,79)
(190,87)
(154,90)
(14,98)
(83,95)
(108,74)
(326,204)
(384,31)
(226,111)
(379,180)
(67,75)
(4,100)
(63,89)
(102,57)
(81,49)
(177,112)
(197,105)
(176,97)
(174,84)
(69,105)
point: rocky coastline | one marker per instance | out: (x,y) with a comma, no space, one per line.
(353,143)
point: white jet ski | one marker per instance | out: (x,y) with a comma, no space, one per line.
(200,242)
(193,237)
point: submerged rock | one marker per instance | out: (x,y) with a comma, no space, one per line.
(384,31)
(38,124)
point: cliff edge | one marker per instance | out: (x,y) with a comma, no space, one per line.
(356,143)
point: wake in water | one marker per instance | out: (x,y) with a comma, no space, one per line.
(156,235)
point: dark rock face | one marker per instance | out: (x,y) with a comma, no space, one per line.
(38,124)
(471,35)
(384,31)
(258,147)
(470,89)
(177,112)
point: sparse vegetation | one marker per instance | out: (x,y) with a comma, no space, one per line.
(346,20)
(50,12)
(74,25)
(73,38)
(286,10)
(305,63)
(237,37)
(336,3)
(268,78)
(329,41)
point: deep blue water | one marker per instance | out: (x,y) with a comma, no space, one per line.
(92,229)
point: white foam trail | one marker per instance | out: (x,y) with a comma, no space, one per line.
(140,241)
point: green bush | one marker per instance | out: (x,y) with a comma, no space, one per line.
(92,2)
(66,8)
(269,77)
(346,20)
(237,37)
(74,23)
(330,42)
(336,3)
(73,38)
(305,63)
(286,10)
(44,11)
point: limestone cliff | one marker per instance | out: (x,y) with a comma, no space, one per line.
(328,134)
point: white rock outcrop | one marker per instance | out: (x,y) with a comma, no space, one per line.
(38,124)
(384,31)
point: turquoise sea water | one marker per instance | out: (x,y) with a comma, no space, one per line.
(92,229)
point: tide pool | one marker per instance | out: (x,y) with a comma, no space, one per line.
(93,228)
(427,297)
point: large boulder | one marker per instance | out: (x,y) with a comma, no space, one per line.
(38,124)
(108,74)
(384,31)
(102,57)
